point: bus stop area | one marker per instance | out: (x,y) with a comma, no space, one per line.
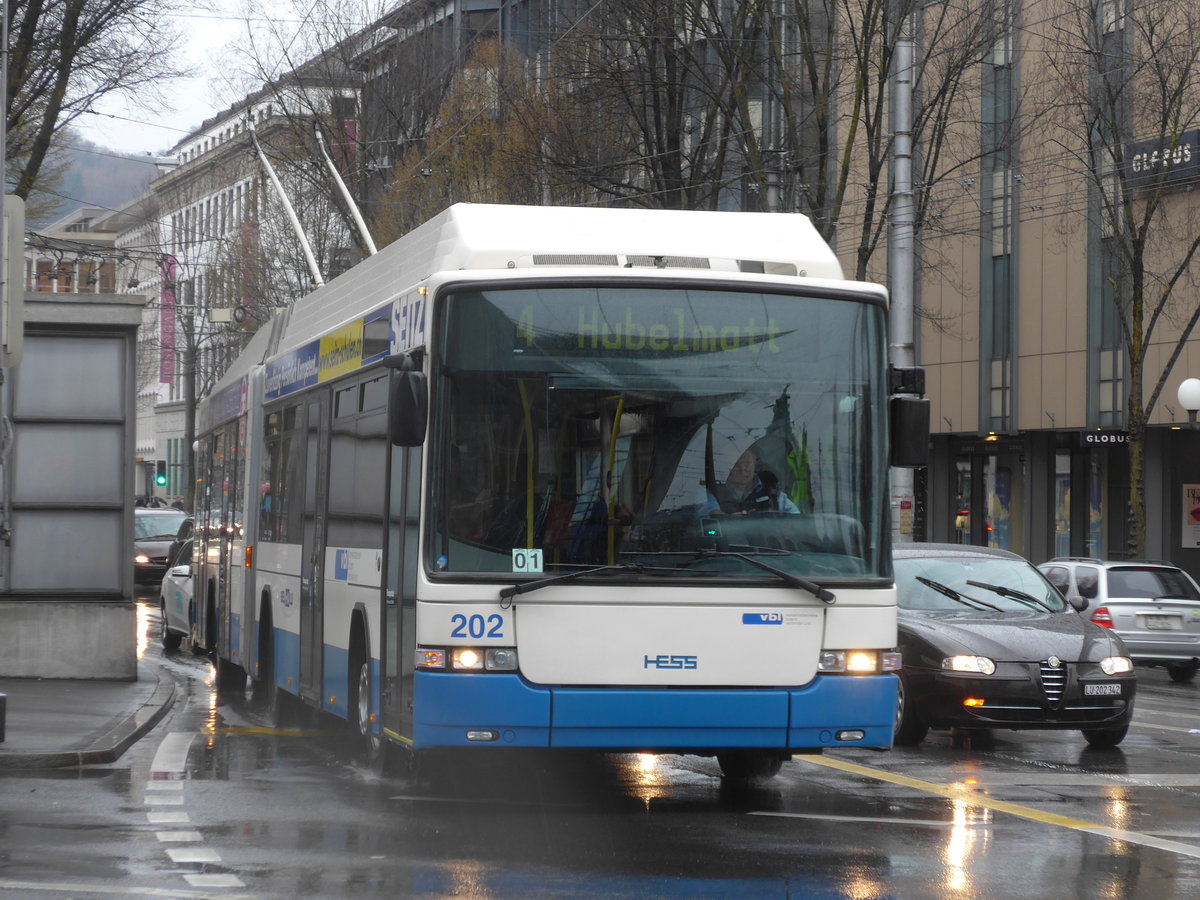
(55,722)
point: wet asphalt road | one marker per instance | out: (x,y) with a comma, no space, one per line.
(216,803)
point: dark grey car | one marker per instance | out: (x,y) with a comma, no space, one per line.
(154,529)
(987,642)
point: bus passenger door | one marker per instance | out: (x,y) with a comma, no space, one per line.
(400,591)
(316,480)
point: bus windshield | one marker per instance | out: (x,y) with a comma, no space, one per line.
(676,429)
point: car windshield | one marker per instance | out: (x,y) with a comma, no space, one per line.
(1007,585)
(157,527)
(1151,584)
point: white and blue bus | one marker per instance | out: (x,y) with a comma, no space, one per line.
(541,477)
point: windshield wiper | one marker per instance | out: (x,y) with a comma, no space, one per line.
(788,578)
(524,587)
(947,591)
(1013,594)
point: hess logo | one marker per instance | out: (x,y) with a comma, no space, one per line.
(664,661)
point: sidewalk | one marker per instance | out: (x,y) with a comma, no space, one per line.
(53,722)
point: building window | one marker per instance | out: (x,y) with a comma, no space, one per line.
(1001,392)
(1111,399)
(1110,16)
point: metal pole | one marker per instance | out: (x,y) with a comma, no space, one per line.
(354,211)
(5,501)
(287,207)
(900,256)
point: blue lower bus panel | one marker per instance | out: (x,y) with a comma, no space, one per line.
(508,711)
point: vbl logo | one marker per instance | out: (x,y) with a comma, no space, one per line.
(771,618)
(663,661)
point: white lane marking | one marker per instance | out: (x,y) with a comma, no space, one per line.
(193,855)
(214,881)
(172,753)
(165,788)
(178,837)
(967,794)
(168,818)
(163,800)
(1141,723)
(1146,840)
(76,890)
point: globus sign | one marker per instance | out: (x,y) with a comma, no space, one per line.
(1096,438)
(1164,160)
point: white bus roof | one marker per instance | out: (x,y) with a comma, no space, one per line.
(487,236)
(471,236)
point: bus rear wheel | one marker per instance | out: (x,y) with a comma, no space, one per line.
(750,765)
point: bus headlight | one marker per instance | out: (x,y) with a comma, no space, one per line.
(468,659)
(849,662)
(500,659)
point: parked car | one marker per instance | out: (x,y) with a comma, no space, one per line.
(175,597)
(1153,606)
(153,531)
(987,642)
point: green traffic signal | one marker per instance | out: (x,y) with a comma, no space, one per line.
(160,472)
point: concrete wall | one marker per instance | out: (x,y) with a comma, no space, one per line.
(68,639)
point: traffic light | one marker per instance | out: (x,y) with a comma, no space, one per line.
(160,472)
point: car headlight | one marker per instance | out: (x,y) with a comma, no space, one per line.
(1116,665)
(141,559)
(976,665)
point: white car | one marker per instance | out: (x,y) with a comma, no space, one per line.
(175,597)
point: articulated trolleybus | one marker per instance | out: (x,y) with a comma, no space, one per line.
(537,477)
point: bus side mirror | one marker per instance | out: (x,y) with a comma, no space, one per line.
(909,424)
(408,408)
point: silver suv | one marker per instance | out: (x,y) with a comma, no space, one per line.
(1153,606)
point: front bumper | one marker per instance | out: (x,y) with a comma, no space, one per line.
(1018,702)
(448,705)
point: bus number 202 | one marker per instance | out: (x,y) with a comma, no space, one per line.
(477,626)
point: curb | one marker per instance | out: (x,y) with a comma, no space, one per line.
(109,746)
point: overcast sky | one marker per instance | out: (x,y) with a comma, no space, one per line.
(128,129)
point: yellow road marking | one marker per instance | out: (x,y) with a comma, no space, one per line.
(259,729)
(965,795)
(950,792)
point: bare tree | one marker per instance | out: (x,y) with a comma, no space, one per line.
(65,55)
(1127,105)
(646,95)
(829,140)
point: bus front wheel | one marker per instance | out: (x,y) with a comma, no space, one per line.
(370,740)
(750,765)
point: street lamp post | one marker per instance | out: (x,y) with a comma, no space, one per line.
(1189,399)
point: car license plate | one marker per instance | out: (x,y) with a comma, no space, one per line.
(1093,690)
(1162,623)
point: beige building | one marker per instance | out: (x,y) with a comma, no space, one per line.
(1028,286)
